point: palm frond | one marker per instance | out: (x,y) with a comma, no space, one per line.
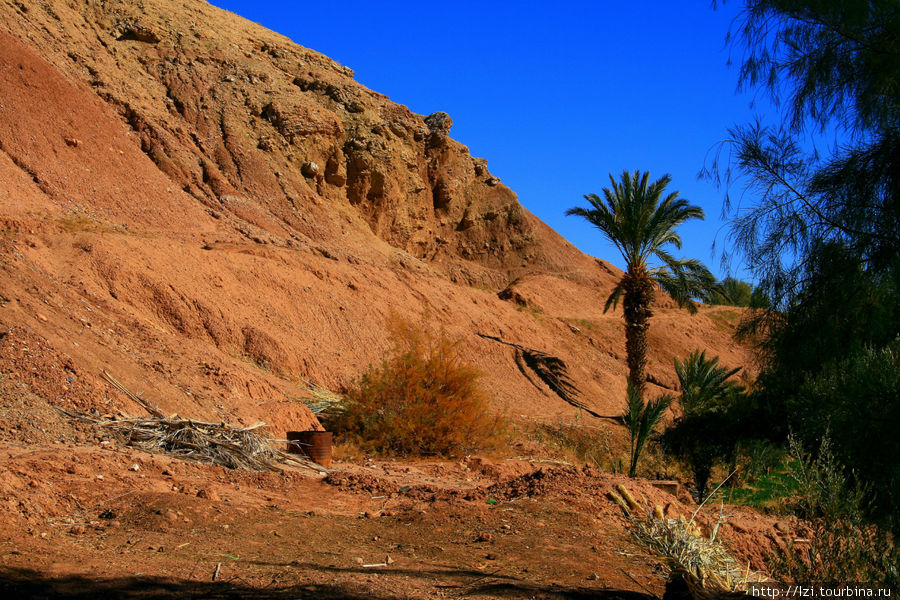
(703,382)
(685,280)
(613,300)
(641,419)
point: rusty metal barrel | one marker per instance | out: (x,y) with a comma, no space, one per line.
(315,445)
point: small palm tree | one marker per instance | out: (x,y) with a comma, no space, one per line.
(641,420)
(640,218)
(703,382)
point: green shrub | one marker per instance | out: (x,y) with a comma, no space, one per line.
(856,400)
(842,547)
(641,419)
(422,400)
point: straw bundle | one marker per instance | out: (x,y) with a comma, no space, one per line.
(323,402)
(704,564)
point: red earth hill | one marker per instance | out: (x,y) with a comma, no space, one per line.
(210,211)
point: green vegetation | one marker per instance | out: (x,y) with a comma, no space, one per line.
(705,432)
(735,292)
(641,419)
(842,546)
(823,235)
(769,491)
(640,219)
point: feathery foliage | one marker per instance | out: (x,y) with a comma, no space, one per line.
(641,420)
(703,382)
(822,235)
(640,219)
(422,400)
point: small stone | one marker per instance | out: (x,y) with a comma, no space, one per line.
(388,560)
(208,495)
(593,577)
(309,169)
(77,530)
(135,467)
(491,556)
(485,537)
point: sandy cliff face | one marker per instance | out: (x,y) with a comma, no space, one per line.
(210,211)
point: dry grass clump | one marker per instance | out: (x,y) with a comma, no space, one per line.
(702,564)
(583,443)
(422,400)
(324,402)
(705,561)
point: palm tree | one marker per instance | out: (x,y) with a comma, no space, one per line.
(640,222)
(704,384)
(641,419)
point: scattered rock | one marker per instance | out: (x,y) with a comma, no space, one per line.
(309,169)
(208,494)
(439,122)
(138,32)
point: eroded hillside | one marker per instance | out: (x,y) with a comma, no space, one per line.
(210,212)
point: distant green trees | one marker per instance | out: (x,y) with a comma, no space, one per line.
(735,292)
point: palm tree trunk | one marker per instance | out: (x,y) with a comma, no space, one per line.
(638,287)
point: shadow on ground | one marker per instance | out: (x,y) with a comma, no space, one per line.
(24,584)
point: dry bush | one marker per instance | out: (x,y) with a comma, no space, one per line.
(422,400)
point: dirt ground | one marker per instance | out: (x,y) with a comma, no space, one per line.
(103,520)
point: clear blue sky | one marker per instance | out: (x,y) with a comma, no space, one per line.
(556,95)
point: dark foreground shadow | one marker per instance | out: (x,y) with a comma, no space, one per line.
(18,584)
(21,584)
(527,590)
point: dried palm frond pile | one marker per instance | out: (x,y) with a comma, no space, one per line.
(323,402)
(211,443)
(696,558)
(703,564)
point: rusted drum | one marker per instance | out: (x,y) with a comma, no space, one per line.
(315,445)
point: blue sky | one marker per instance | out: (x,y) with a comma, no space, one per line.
(554,95)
